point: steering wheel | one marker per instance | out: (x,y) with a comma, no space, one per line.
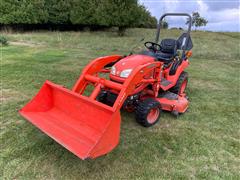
(152,46)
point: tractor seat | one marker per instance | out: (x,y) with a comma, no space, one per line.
(168,50)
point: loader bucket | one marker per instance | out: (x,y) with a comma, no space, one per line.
(85,127)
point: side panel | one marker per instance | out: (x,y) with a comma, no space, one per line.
(174,78)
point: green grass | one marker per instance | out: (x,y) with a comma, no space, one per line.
(203,143)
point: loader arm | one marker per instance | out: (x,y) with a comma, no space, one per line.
(92,68)
(89,76)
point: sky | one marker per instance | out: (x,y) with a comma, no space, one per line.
(222,15)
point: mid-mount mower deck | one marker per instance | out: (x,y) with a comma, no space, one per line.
(147,82)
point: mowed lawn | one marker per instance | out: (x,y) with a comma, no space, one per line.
(204,143)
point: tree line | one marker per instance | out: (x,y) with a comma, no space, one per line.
(85,13)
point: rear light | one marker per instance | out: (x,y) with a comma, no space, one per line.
(188,54)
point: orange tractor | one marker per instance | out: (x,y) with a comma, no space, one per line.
(88,123)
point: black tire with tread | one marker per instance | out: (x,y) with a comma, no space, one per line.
(183,76)
(101,97)
(143,109)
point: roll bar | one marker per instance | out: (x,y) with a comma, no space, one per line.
(173,14)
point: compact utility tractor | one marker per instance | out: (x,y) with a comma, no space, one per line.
(88,123)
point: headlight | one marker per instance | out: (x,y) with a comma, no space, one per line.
(113,70)
(125,73)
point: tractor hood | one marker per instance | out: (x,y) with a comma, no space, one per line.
(125,66)
(133,61)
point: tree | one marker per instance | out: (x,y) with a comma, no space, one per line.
(124,13)
(197,20)
(201,22)
(58,11)
(84,12)
(22,12)
(145,19)
(164,24)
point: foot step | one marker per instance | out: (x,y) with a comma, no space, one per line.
(168,95)
(165,82)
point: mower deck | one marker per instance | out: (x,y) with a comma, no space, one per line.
(172,102)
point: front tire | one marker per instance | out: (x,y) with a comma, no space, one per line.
(148,112)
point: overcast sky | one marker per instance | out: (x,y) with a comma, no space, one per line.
(222,15)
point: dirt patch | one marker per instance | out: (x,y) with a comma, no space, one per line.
(25,43)
(10,95)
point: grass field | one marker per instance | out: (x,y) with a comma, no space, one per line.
(204,143)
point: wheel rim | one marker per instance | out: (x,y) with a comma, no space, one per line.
(153,115)
(183,87)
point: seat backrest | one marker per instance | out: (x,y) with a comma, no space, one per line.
(182,41)
(169,46)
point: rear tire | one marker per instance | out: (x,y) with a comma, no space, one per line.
(181,84)
(148,112)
